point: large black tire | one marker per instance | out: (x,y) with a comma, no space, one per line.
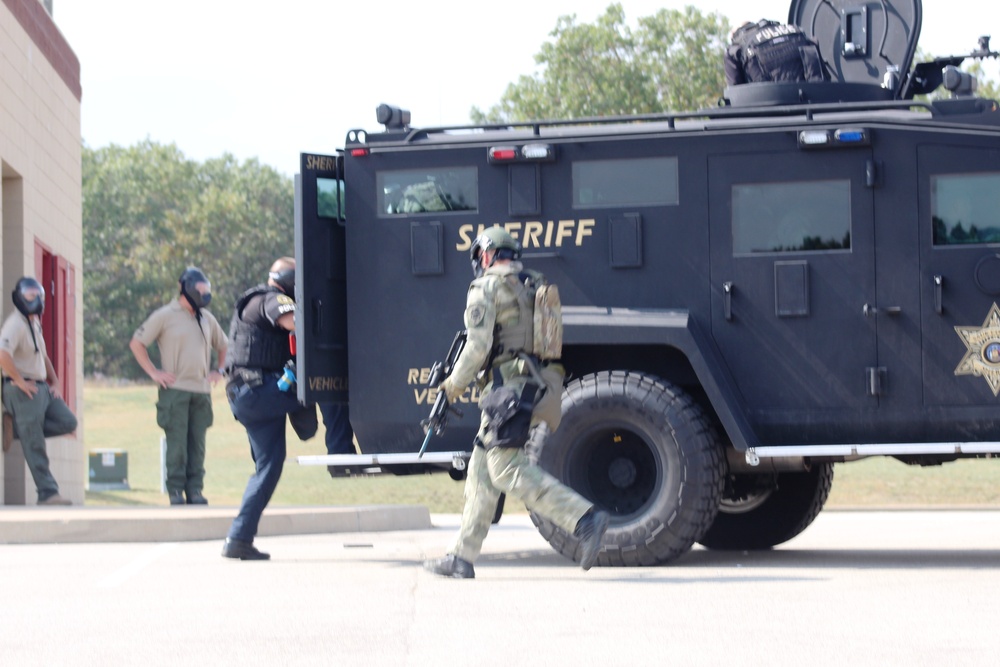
(760,511)
(641,449)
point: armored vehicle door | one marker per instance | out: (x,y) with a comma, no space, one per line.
(959,214)
(321,280)
(792,269)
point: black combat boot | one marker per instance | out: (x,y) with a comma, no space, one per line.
(451,566)
(242,550)
(195,498)
(590,530)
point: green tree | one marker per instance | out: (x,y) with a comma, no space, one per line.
(149,212)
(986,87)
(672,60)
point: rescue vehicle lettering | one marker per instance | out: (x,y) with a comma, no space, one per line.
(418,375)
(428,395)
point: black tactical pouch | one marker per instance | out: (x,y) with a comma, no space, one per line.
(304,422)
(509,416)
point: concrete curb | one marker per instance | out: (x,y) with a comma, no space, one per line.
(40,525)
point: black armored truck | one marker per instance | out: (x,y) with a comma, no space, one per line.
(807,274)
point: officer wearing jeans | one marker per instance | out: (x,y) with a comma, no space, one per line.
(339,434)
(258,354)
(522,397)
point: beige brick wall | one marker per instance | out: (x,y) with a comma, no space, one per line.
(40,150)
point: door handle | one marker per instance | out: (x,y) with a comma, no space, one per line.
(317,308)
(872,311)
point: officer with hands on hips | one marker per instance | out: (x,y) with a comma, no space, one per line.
(186,333)
(261,395)
(498,319)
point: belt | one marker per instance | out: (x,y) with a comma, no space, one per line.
(8,379)
(252,377)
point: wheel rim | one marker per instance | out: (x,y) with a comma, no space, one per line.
(616,468)
(746,493)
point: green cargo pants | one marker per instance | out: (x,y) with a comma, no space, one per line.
(36,418)
(184,417)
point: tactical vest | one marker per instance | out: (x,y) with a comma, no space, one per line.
(771,51)
(251,346)
(537,328)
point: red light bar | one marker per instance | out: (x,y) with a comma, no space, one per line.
(359,152)
(503,153)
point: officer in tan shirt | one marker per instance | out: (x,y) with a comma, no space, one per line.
(30,398)
(186,334)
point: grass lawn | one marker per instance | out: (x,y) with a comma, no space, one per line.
(124,417)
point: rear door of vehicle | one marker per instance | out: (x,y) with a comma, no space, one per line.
(321,280)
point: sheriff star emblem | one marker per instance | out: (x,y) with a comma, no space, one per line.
(982,358)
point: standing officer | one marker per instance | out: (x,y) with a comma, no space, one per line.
(258,354)
(29,387)
(186,334)
(520,402)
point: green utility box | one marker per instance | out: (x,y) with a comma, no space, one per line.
(108,470)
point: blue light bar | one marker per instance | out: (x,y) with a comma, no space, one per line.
(851,136)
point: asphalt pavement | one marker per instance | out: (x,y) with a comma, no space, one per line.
(856,588)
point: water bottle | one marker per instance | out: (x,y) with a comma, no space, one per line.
(286,381)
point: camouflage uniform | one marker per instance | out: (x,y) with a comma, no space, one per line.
(494,470)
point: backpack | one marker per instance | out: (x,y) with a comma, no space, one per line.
(539,329)
(547,329)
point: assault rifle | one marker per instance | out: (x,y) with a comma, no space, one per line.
(438,419)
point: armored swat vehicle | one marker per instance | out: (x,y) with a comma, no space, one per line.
(806,275)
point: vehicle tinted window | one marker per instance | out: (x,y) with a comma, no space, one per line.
(965,208)
(327,203)
(804,216)
(643,181)
(427,191)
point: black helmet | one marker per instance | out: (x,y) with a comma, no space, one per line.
(29,296)
(196,288)
(285,280)
(494,238)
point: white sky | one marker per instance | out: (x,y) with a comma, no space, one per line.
(270,79)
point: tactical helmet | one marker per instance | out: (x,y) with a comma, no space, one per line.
(29,296)
(494,238)
(285,280)
(190,281)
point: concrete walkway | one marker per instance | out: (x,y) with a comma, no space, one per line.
(39,525)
